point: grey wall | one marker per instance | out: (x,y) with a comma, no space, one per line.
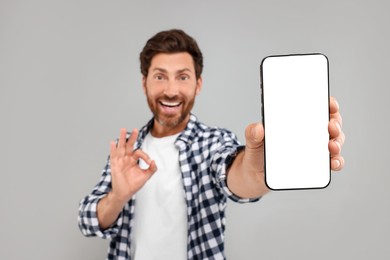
(69,79)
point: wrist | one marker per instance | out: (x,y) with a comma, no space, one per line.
(115,199)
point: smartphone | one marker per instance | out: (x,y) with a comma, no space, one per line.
(295,110)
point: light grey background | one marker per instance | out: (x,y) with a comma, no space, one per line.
(69,79)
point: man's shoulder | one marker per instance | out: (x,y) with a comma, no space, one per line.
(215,130)
(202,130)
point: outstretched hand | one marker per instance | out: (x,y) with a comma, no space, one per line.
(127,176)
(254,135)
(246,174)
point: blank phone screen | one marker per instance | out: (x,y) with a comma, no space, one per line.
(295,96)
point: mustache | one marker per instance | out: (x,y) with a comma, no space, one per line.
(175,98)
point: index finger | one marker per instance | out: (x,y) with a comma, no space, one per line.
(333,105)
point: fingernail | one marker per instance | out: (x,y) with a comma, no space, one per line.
(337,164)
(254,132)
(338,125)
(338,144)
(337,104)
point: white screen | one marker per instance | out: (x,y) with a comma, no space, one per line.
(296,115)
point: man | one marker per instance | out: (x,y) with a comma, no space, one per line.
(162,194)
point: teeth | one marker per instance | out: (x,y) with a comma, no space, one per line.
(170,104)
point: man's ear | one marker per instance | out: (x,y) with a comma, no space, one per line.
(199,84)
(144,84)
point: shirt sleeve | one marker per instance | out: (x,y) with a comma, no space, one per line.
(87,218)
(227,151)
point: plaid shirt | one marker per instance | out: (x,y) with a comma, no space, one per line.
(204,155)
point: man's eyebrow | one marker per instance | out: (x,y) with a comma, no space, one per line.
(160,69)
(184,70)
(177,72)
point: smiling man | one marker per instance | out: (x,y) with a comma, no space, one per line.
(163,191)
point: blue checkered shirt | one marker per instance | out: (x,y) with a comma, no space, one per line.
(204,155)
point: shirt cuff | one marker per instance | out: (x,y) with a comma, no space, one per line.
(89,223)
(228,158)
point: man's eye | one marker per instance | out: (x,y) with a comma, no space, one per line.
(158,77)
(184,77)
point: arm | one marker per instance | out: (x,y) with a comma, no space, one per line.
(245,177)
(121,179)
(87,219)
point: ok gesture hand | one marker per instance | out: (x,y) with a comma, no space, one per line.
(127,176)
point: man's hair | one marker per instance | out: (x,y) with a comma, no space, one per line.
(171,41)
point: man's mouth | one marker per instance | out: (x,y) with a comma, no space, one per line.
(170,104)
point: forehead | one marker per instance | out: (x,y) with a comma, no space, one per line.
(173,62)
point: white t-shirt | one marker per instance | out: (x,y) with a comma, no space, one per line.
(160,216)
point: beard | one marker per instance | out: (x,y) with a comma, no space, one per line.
(170,120)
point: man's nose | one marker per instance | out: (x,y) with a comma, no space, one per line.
(171,89)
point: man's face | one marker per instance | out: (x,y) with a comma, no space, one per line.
(170,88)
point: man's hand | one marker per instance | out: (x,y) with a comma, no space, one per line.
(246,175)
(126,177)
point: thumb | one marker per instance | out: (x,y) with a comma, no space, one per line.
(254,147)
(254,136)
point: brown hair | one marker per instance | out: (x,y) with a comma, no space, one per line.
(171,41)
